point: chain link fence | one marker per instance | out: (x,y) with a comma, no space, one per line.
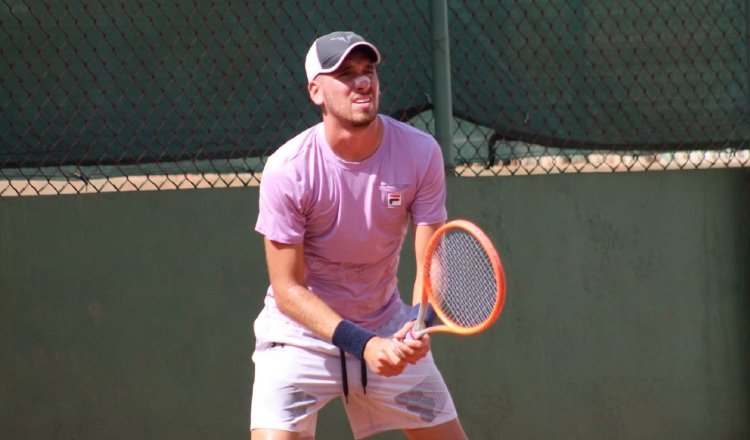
(142,95)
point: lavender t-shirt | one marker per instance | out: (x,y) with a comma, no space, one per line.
(351,216)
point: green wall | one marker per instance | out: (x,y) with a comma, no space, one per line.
(129,315)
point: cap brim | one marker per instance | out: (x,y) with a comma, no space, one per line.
(348,51)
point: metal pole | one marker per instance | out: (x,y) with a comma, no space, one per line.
(441,88)
(747,57)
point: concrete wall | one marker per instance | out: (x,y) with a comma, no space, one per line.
(130,315)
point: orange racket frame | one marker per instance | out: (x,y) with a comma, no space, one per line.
(446,324)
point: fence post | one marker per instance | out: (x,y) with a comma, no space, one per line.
(441,87)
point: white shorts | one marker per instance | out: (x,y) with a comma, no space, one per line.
(292,384)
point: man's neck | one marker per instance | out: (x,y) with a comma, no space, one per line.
(354,144)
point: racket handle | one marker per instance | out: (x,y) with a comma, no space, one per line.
(419,328)
(416,334)
(423,316)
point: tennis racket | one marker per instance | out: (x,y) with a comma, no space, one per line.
(463,281)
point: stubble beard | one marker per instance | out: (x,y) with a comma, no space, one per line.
(363,120)
(357,119)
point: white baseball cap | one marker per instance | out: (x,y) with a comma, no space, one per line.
(328,52)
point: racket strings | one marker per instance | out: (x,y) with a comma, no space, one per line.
(463,280)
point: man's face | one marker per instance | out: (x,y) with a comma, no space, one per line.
(351,93)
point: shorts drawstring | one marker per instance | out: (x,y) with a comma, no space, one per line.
(343,376)
(345,379)
(364,376)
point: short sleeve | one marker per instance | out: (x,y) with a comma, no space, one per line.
(280,214)
(429,202)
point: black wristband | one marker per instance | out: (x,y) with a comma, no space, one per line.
(351,338)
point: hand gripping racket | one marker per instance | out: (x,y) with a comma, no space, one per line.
(463,281)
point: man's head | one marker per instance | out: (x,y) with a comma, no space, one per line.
(343,80)
(328,52)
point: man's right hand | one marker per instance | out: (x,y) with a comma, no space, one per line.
(385,356)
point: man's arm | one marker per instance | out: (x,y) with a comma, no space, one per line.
(422,235)
(286,272)
(417,349)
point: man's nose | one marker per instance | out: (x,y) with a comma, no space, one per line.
(362,82)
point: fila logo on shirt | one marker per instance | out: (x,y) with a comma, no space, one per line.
(394,199)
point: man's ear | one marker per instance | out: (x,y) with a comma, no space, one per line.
(316,95)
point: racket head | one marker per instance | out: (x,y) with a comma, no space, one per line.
(463,279)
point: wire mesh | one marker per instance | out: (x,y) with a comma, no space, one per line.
(576,86)
(150,95)
(462,280)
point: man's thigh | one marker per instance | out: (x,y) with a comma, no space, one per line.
(291,386)
(417,398)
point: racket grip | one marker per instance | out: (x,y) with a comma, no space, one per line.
(416,334)
(420,325)
(430,317)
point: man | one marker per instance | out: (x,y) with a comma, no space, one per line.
(335,204)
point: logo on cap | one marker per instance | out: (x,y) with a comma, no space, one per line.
(345,38)
(328,52)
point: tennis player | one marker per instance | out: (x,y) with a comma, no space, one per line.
(335,205)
